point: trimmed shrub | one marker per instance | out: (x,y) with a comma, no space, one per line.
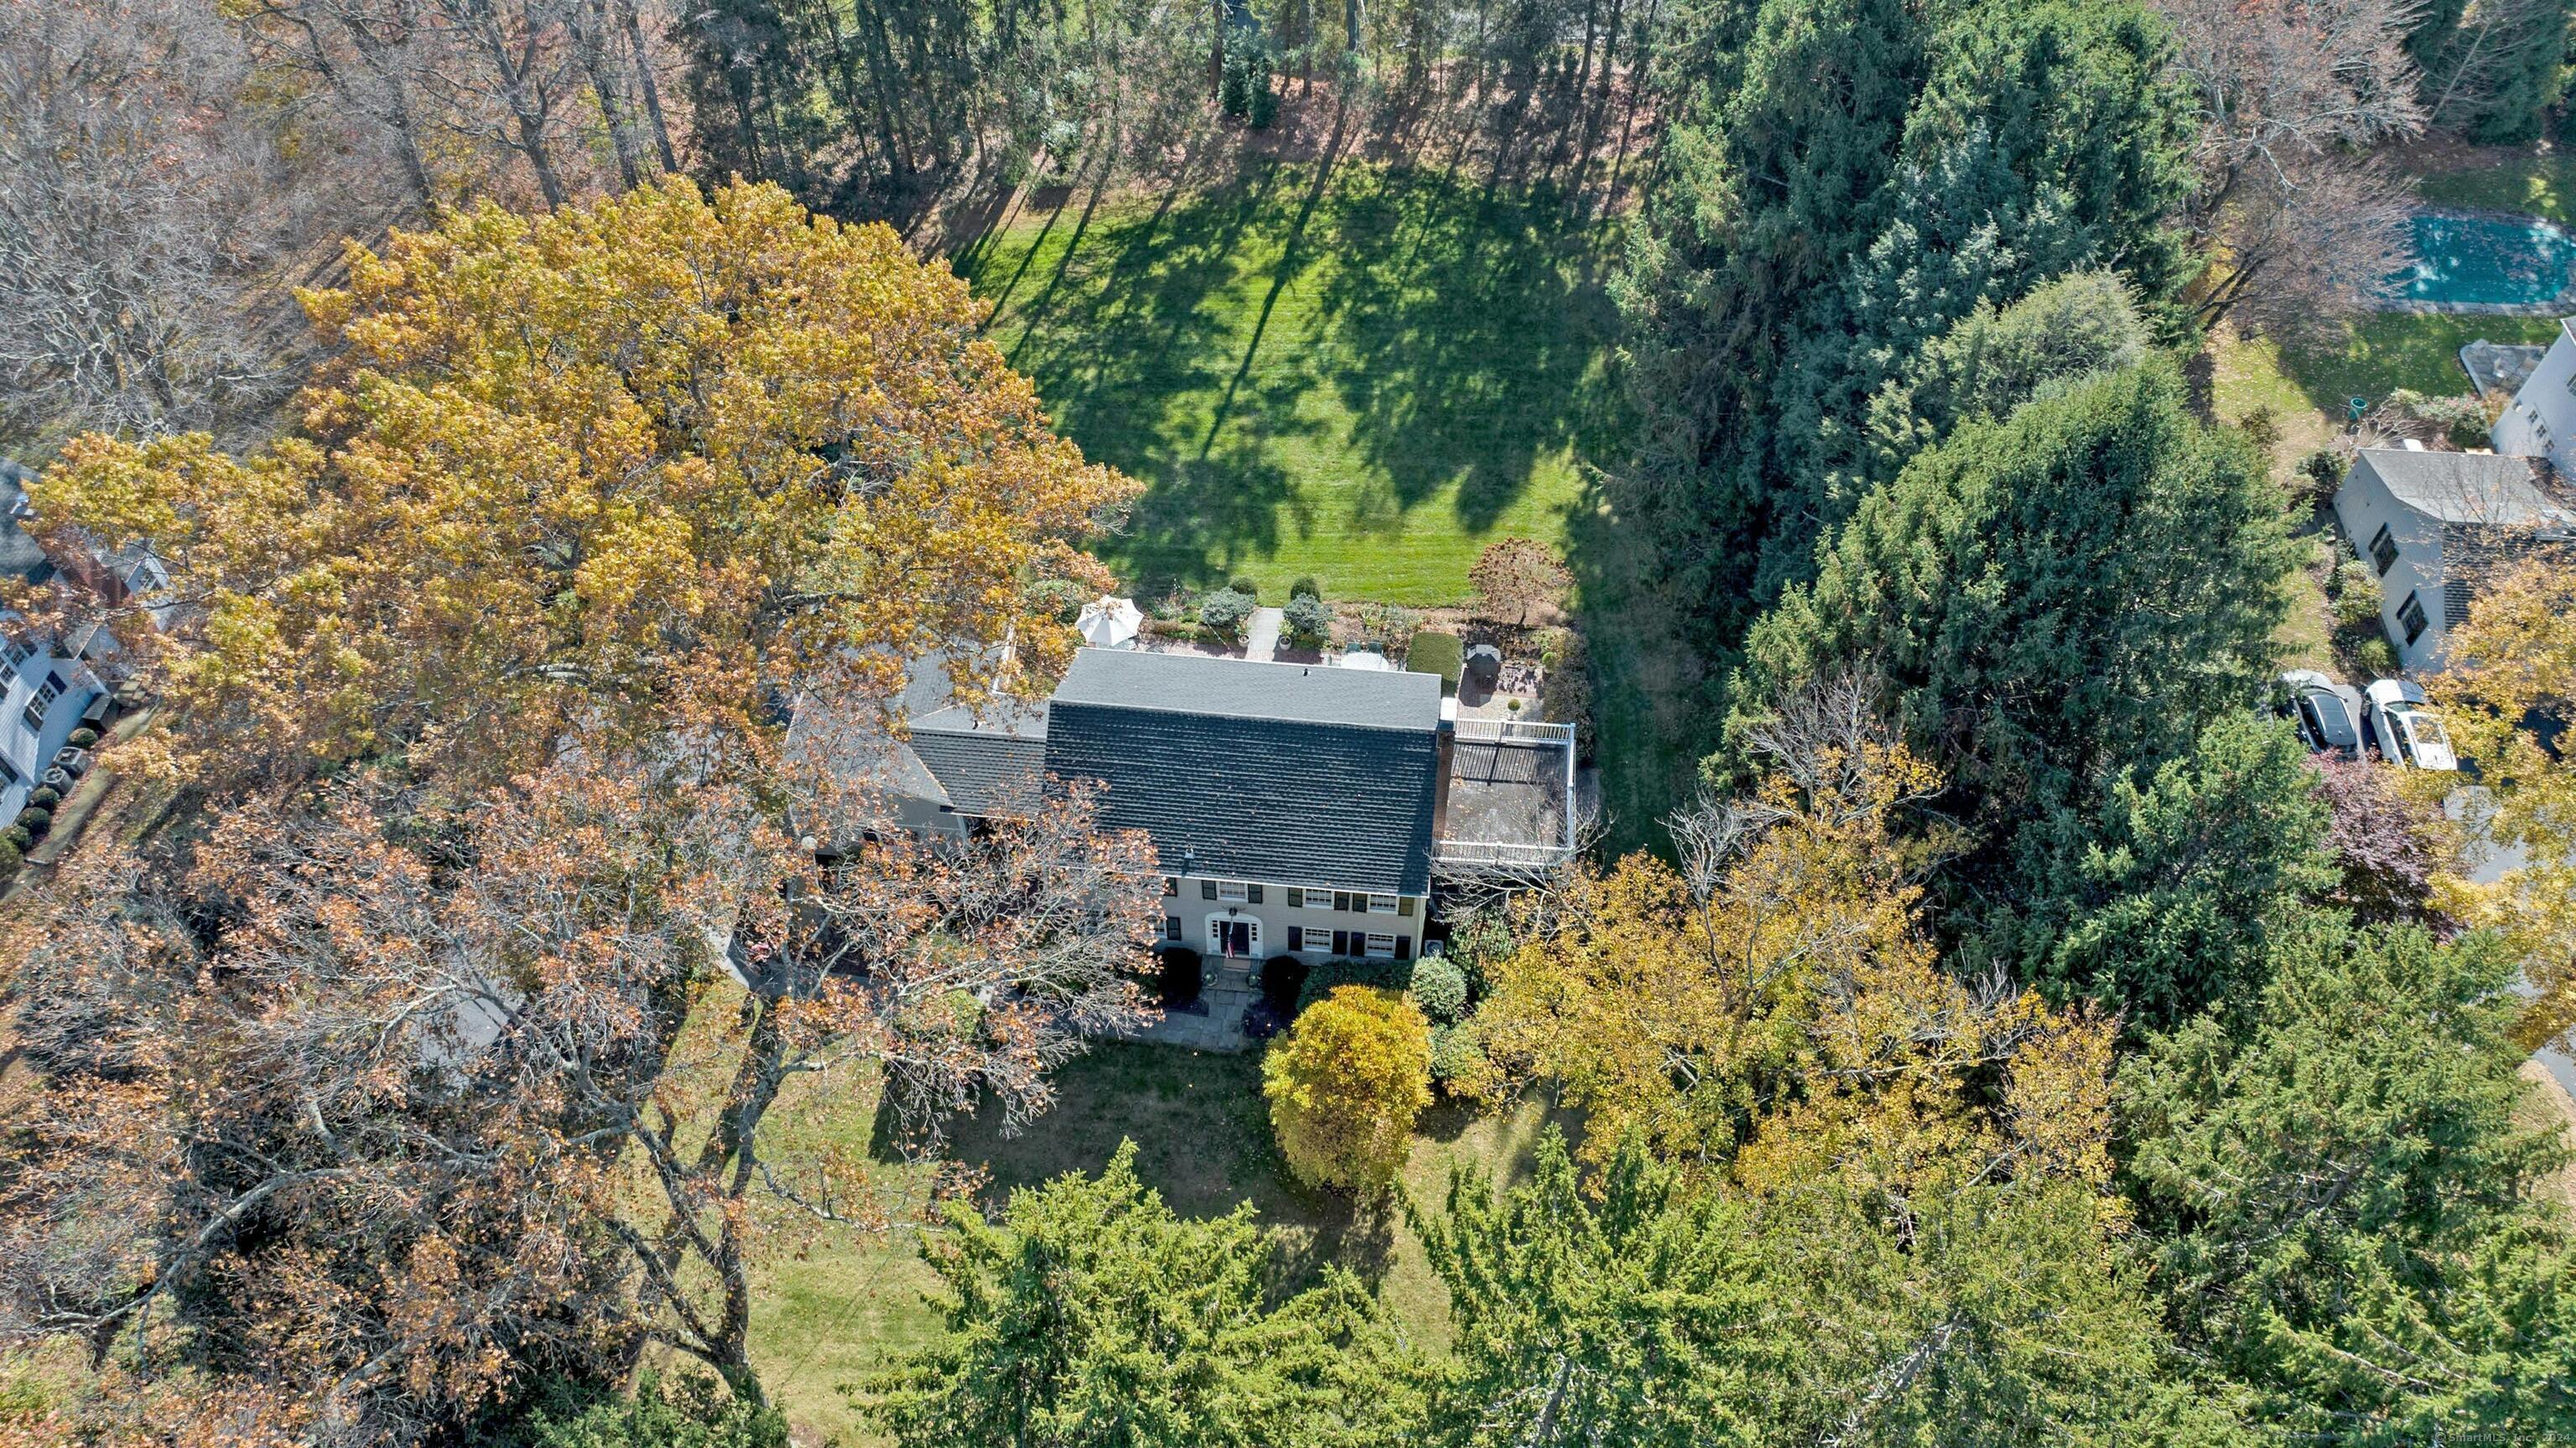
(1459,1065)
(45,797)
(2376,656)
(1382,974)
(1246,587)
(1223,612)
(1305,588)
(35,821)
(1183,975)
(2357,602)
(9,862)
(18,836)
(1282,977)
(1434,652)
(1308,619)
(82,738)
(1440,989)
(1058,598)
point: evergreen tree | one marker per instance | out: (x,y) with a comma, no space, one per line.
(2054,600)
(2343,1201)
(1844,182)
(1093,1315)
(1646,1313)
(2165,902)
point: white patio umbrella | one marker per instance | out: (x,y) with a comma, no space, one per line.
(1110,623)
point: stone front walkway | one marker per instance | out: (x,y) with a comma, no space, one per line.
(1261,634)
(1214,1022)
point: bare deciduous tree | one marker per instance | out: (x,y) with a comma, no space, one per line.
(399,1101)
(2292,95)
(140,201)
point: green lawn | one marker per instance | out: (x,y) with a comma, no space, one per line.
(1349,372)
(2388,350)
(826,1317)
(2540,185)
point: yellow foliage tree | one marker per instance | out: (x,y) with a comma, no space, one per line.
(646,466)
(1345,1086)
(2511,664)
(1773,1009)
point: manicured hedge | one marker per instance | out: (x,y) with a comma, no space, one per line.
(1434,652)
(1282,977)
(1183,975)
(1390,974)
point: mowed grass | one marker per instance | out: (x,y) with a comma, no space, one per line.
(827,1316)
(2531,182)
(1343,371)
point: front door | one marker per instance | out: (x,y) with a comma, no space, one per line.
(1234,935)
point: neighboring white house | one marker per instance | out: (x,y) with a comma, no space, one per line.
(2430,524)
(2540,422)
(47,685)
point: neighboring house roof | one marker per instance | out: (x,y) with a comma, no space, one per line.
(1290,773)
(990,765)
(2476,488)
(20,557)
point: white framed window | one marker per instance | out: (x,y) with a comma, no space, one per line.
(11,657)
(46,693)
(1381,947)
(1233,891)
(1381,905)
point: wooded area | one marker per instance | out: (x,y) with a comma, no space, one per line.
(565,433)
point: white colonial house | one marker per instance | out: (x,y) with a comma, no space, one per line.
(49,683)
(1295,809)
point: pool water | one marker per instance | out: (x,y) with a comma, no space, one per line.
(2488,261)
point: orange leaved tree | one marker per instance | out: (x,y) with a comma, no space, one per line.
(645,467)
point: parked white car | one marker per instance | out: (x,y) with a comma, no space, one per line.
(2327,714)
(2408,732)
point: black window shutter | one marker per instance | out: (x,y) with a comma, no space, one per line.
(1296,937)
(1404,947)
(1341,942)
(1404,905)
(1341,899)
(1207,889)
(1171,927)
(1296,898)
(1252,895)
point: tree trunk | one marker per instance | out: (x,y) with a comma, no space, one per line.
(1216,54)
(646,85)
(589,23)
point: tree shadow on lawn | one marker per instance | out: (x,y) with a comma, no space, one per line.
(1388,323)
(1469,329)
(1202,1135)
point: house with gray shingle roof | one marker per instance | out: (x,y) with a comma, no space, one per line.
(48,685)
(2431,524)
(1293,808)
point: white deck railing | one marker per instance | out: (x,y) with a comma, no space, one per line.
(1515,853)
(1515,731)
(1496,852)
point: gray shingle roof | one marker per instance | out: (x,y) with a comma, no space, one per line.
(1240,689)
(989,765)
(1271,772)
(20,557)
(2468,487)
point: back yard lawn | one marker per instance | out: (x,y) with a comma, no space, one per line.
(827,1318)
(1341,371)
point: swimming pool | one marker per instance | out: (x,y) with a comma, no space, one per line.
(2466,260)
